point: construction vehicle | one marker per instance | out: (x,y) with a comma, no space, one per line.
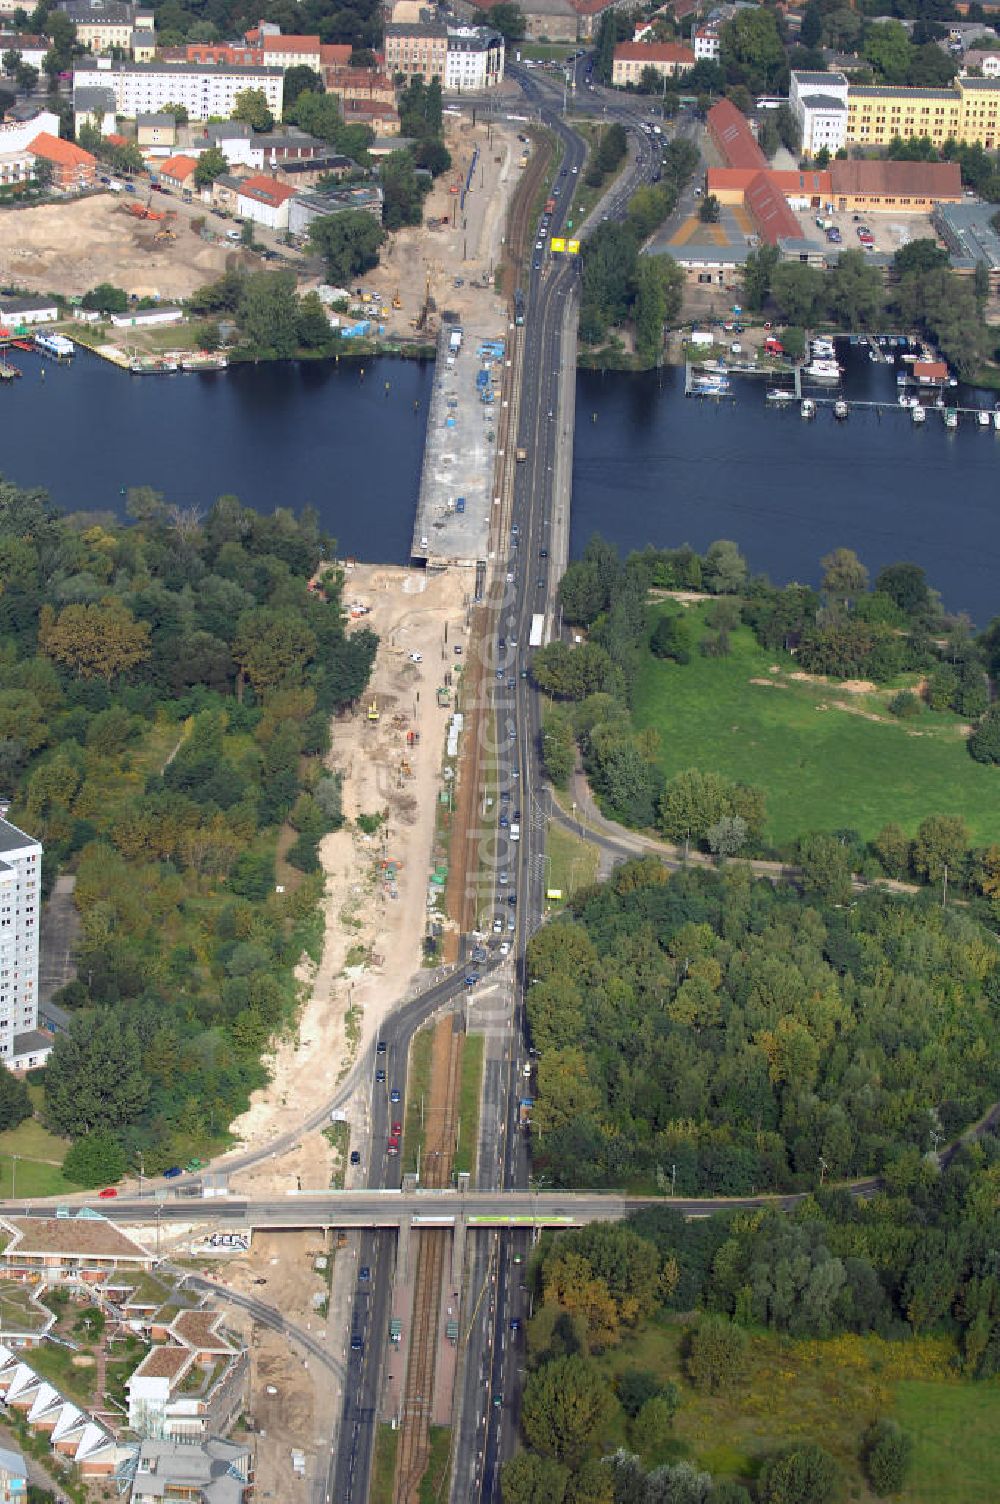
(373,711)
(397,301)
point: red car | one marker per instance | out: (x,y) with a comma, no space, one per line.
(107,1193)
(397,1129)
(393,1145)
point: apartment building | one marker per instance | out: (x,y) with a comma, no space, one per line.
(204,89)
(20,915)
(102,25)
(416,51)
(667,59)
(474,60)
(707,43)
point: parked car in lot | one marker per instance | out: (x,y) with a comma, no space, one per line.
(173,1172)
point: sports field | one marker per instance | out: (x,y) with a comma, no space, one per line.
(828,755)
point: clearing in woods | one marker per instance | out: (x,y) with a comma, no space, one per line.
(827,759)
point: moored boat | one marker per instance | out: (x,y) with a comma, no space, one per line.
(152,365)
(780,394)
(918,414)
(950,418)
(822,370)
(840,408)
(983,418)
(808,408)
(56,346)
(204,360)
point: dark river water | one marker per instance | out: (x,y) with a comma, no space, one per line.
(654,467)
(273,435)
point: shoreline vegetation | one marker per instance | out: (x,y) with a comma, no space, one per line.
(166,692)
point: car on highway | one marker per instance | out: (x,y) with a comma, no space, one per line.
(108,1192)
(364,1273)
(543,553)
(512,900)
(380,1075)
(357,1344)
(472,978)
(499,673)
(380,1047)
(394,1094)
(540,582)
(397,1129)
(504,877)
(392,1147)
(503,822)
(515,1324)
(498,925)
(479,954)
(536,263)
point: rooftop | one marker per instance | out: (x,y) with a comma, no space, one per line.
(213,1471)
(734,136)
(63,153)
(771,214)
(266,190)
(199,1329)
(415,29)
(824,102)
(213,69)
(906,179)
(653,52)
(90,1237)
(12,839)
(968,232)
(164,1362)
(93,97)
(179,167)
(878,91)
(818,80)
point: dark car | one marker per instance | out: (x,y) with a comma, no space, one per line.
(173,1172)
(512,900)
(380,1075)
(357,1344)
(380,1047)
(543,553)
(355,1157)
(394,1094)
(471,979)
(515,1324)
(364,1273)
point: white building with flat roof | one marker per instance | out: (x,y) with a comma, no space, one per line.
(819,103)
(204,89)
(475,59)
(20,916)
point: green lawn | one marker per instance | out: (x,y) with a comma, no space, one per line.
(827,759)
(573,861)
(469,1093)
(418,1083)
(383,1465)
(956,1441)
(32,1177)
(32,1141)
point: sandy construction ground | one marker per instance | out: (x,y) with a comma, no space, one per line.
(70,248)
(470,247)
(377,920)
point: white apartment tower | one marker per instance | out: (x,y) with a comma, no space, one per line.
(20,915)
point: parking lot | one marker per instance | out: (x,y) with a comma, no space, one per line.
(890,231)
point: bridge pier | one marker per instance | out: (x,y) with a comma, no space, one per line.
(403,1251)
(458,1254)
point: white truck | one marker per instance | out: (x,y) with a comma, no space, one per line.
(455,341)
(537,630)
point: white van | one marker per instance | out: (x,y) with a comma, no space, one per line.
(515,832)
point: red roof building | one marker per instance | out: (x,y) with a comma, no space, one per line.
(178,172)
(769,207)
(72,167)
(731,133)
(631,59)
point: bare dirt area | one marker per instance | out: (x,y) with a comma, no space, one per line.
(70,248)
(469,247)
(376,883)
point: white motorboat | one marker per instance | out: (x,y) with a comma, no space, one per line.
(780,394)
(808,408)
(983,418)
(840,408)
(918,414)
(821,369)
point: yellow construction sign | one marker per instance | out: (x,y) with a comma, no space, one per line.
(557,245)
(572,247)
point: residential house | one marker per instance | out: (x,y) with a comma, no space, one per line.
(192,1384)
(156,132)
(106,25)
(988,62)
(17,165)
(474,60)
(72,167)
(416,51)
(93,107)
(69,1430)
(32,48)
(706,43)
(20,854)
(307,173)
(631,60)
(264,201)
(383,119)
(204,89)
(149,318)
(178,172)
(360,83)
(216,1472)
(225,193)
(55,1250)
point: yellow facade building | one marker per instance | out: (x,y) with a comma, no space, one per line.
(968,112)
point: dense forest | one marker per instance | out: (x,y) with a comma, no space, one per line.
(166,689)
(914,1266)
(709,1033)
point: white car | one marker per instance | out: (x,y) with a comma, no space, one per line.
(505,947)
(416,657)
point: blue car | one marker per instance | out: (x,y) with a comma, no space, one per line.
(394,1094)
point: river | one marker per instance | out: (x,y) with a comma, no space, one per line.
(653,467)
(287,434)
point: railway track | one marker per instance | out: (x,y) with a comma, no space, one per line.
(413,1448)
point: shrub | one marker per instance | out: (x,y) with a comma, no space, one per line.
(95,1159)
(984,743)
(886,1455)
(905,705)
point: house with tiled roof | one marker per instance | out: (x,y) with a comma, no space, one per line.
(666,59)
(178,172)
(730,132)
(264,201)
(72,167)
